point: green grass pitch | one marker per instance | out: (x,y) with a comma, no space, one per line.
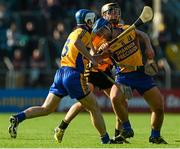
(38,132)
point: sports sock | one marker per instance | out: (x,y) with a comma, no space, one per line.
(63,125)
(116,132)
(20,116)
(105,139)
(155,133)
(126,125)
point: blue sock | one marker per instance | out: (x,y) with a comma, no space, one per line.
(105,139)
(126,125)
(155,133)
(21,117)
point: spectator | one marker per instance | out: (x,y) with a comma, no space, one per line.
(52,20)
(56,43)
(37,65)
(3,27)
(19,68)
(13,38)
(18,60)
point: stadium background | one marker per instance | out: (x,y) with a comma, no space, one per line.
(32,34)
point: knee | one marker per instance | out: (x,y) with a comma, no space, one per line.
(159,108)
(115,100)
(47,110)
(78,106)
(94,108)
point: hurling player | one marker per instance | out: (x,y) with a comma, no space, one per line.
(69,78)
(100,35)
(127,51)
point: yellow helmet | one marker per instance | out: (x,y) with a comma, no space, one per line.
(108,11)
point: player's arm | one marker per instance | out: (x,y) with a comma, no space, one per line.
(104,50)
(83,50)
(149,50)
(93,51)
(150,68)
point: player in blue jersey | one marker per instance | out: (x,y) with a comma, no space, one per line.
(127,53)
(69,78)
(96,78)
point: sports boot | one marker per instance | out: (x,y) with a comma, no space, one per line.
(13,126)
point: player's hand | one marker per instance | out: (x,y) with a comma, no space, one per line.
(150,68)
(96,59)
(149,53)
(104,47)
(94,63)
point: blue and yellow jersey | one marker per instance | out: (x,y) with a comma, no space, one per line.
(70,56)
(126,50)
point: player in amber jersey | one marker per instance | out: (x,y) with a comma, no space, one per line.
(69,79)
(96,77)
(126,52)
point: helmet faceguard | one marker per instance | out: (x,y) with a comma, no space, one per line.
(85,17)
(102,28)
(102,32)
(111,12)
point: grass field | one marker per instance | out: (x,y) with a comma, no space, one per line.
(38,132)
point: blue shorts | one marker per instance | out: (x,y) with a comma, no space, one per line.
(68,81)
(136,80)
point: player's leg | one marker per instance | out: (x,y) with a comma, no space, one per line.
(96,79)
(99,80)
(118,125)
(70,115)
(91,105)
(50,104)
(156,103)
(48,107)
(74,110)
(120,108)
(77,87)
(147,87)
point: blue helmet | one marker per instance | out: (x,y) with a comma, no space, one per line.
(84,15)
(100,24)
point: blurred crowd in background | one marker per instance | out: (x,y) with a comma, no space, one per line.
(33,32)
